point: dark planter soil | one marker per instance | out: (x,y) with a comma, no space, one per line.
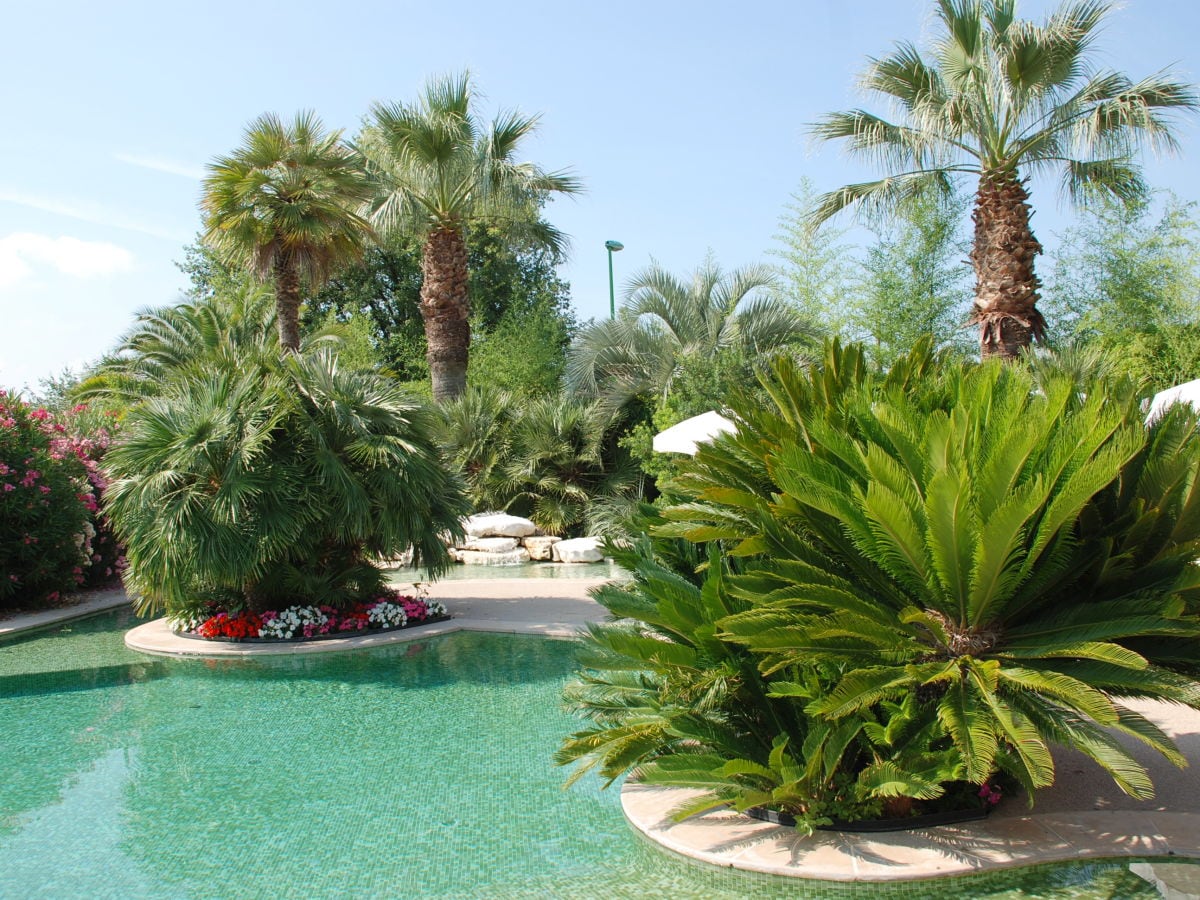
(908,823)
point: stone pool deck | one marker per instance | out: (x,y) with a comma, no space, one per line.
(1083,816)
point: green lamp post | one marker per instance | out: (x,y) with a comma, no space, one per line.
(612,247)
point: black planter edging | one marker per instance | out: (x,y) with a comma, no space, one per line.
(868,826)
(192,636)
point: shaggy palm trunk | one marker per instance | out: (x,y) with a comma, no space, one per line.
(445,309)
(287,305)
(1006,288)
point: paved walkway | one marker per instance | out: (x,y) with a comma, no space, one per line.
(1083,816)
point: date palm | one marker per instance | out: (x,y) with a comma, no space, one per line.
(284,204)
(1002,99)
(439,170)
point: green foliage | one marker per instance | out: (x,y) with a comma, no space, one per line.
(549,459)
(665,322)
(1130,285)
(277,483)
(927,576)
(816,270)
(914,282)
(170,343)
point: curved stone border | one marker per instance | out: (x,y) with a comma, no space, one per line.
(548,607)
(97,602)
(726,838)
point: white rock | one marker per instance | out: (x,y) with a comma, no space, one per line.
(541,547)
(498,525)
(480,558)
(578,550)
(491,544)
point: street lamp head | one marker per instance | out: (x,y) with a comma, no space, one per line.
(614,245)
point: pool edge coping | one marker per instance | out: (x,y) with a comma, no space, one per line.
(730,840)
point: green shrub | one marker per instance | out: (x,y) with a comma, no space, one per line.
(941,572)
(275,484)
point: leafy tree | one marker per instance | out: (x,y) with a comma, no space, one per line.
(283,205)
(913,283)
(1130,285)
(1001,99)
(665,321)
(439,172)
(816,270)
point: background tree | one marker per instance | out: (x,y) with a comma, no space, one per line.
(1128,283)
(816,268)
(665,321)
(1002,99)
(914,280)
(284,205)
(439,171)
(522,319)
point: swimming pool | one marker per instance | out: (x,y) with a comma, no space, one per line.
(406,771)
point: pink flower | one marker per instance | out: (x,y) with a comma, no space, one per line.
(45,489)
(9,487)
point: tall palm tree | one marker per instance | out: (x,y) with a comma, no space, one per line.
(438,170)
(666,321)
(284,204)
(1002,99)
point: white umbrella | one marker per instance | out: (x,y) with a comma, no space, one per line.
(1181,393)
(684,437)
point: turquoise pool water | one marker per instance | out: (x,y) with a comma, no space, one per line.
(417,770)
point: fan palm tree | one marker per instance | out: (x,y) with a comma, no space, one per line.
(186,340)
(665,321)
(1002,99)
(284,204)
(438,169)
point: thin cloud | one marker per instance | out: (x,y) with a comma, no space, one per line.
(158,164)
(88,213)
(24,252)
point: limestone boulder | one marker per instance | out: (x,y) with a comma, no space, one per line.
(541,547)
(482,558)
(578,550)
(498,525)
(490,544)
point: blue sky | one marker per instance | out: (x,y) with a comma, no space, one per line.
(686,121)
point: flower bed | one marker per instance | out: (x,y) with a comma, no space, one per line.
(387,612)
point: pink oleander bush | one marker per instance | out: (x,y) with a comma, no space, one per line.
(53,536)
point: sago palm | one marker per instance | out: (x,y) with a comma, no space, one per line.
(1020,560)
(666,320)
(438,170)
(285,205)
(1001,99)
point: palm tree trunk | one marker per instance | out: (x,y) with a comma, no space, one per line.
(1006,288)
(445,309)
(287,304)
